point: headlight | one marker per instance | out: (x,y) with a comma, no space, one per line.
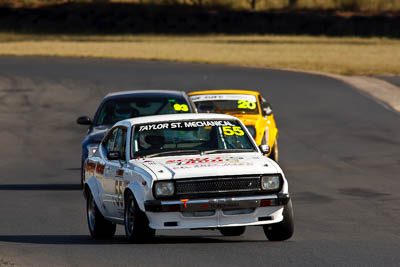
(91,148)
(252,131)
(271,182)
(164,189)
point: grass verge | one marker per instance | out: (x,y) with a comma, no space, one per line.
(349,56)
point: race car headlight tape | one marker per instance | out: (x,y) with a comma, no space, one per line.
(91,149)
(271,182)
(164,189)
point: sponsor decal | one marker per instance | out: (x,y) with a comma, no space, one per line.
(235,97)
(185,202)
(222,205)
(90,167)
(120,172)
(100,168)
(205,205)
(184,124)
(191,163)
(118,189)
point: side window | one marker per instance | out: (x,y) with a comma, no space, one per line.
(109,142)
(265,106)
(120,142)
(123,148)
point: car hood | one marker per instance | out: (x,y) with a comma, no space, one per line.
(208,165)
(97,133)
(248,119)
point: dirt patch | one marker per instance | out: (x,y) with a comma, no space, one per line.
(6,263)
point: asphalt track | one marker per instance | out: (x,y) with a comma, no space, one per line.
(339,149)
(392,79)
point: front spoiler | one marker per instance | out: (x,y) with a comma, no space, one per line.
(192,205)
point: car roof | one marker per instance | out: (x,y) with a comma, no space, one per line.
(146,93)
(226,91)
(176,117)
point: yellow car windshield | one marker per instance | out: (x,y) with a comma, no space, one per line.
(226,103)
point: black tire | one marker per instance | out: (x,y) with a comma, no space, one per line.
(137,228)
(233,231)
(274,151)
(282,230)
(99,227)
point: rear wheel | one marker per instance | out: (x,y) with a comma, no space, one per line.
(137,228)
(99,227)
(232,231)
(282,230)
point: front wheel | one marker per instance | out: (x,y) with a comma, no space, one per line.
(137,228)
(274,151)
(99,227)
(282,230)
(232,231)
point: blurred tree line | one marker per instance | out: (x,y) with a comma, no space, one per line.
(346,5)
(311,17)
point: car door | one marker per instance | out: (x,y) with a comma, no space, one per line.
(109,171)
(119,173)
(114,173)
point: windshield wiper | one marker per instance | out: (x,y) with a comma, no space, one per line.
(174,152)
(228,150)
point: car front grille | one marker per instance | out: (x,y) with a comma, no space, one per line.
(217,186)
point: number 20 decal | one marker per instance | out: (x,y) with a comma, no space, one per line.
(181,107)
(246,104)
(235,130)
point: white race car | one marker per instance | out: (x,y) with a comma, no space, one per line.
(186,171)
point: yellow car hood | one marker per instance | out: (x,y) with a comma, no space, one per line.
(248,119)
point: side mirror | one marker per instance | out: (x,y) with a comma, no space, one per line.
(264,149)
(113,155)
(267,111)
(84,120)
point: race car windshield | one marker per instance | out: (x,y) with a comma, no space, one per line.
(115,110)
(226,103)
(190,137)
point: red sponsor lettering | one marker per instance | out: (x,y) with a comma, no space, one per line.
(120,172)
(100,168)
(185,202)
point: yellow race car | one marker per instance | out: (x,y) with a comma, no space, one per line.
(248,106)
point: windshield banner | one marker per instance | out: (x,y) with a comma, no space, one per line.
(198,98)
(184,124)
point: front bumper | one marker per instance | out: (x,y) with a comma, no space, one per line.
(214,213)
(192,205)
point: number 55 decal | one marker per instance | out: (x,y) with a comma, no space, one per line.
(118,193)
(235,130)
